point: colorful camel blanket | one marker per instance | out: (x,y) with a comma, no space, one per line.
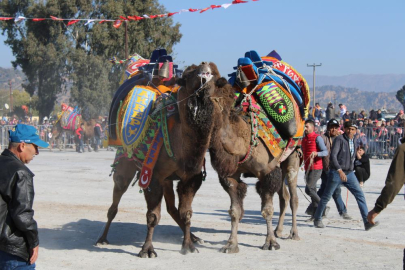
(153,124)
(269,134)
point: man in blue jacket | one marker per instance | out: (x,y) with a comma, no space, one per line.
(18,229)
(341,172)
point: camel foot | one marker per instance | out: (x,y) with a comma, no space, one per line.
(147,253)
(271,245)
(230,248)
(294,236)
(278,234)
(102,242)
(196,239)
(186,249)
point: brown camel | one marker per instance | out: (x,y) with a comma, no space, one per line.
(57,132)
(230,144)
(189,140)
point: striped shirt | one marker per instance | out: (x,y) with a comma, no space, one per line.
(351,145)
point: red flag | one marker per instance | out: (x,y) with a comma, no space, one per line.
(205,9)
(117,24)
(135,18)
(5,18)
(239,2)
(215,6)
(102,21)
(171,14)
(162,15)
(56,18)
(72,22)
(193,10)
(152,16)
(125,19)
(38,19)
(131,18)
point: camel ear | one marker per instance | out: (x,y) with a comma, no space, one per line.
(221,82)
(181,82)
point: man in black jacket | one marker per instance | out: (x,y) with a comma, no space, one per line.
(19,233)
(341,172)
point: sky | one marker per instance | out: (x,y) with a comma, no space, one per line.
(347,37)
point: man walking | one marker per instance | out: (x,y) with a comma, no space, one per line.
(393,184)
(329,136)
(313,148)
(19,233)
(341,171)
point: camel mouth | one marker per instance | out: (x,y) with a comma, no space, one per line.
(205,73)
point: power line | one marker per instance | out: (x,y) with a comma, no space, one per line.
(314,66)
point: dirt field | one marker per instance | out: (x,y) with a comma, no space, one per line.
(74,192)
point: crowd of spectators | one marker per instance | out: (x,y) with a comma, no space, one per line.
(378,136)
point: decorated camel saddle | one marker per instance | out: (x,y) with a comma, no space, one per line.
(274,98)
(142,112)
(69,117)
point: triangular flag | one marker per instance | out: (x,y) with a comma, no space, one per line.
(239,2)
(91,21)
(56,18)
(193,10)
(38,19)
(171,14)
(146,16)
(205,9)
(124,18)
(152,16)
(19,19)
(100,22)
(183,10)
(226,5)
(6,18)
(72,22)
(215,6)
(117,24)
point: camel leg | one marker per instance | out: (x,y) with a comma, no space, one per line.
(284,197)
(237,192)
(169,196)
(292,176)
(187,191)
(125,172)
(153,197)
(266,187)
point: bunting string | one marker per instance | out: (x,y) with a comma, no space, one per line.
(117,22)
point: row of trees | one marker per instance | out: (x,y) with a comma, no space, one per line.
(56,57)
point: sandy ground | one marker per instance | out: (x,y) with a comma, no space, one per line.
(74,192)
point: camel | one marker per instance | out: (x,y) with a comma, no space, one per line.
(57,132)
(189,138)
(230,143)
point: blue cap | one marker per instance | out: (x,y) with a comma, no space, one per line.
(27,134)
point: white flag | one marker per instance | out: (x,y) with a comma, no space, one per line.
(226,5)
(88,22)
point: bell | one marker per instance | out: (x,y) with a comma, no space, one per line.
(164,70)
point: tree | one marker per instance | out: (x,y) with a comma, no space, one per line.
(40,48)
(96,43)
(401,96)
(55,56)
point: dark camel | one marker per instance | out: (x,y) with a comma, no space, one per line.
(189,139)
(229,144)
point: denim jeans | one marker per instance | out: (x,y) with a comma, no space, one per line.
(337,197)
(11,262)
(352,185)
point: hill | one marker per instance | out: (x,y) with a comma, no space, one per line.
(363,82)
(16,76)
(354,99)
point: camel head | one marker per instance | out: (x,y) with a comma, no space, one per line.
(198,84)
(200,80)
